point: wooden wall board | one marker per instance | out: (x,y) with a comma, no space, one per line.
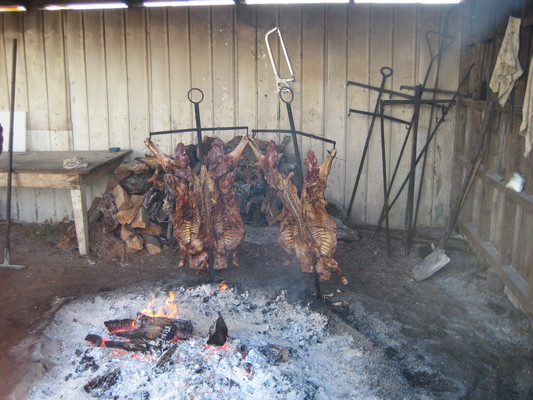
(313,73)
(76,80)
(93,22)
(222,36)
(137,67)
(440,173)
(55,72)
(202,60)
(159,76)
(357,98)
(335,92)
(179,72)
(246,38)
(36,67)
(116,79)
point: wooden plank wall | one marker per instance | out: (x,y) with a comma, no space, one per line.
(497,221)
(95,79)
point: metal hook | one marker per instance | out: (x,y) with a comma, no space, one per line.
(281,82)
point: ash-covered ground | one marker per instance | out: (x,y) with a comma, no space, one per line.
(450,337)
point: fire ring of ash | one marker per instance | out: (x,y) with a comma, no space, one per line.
(274,350)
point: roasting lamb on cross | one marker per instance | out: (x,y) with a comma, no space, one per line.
(306,229)
(226,220)
(186,219)
(206,214)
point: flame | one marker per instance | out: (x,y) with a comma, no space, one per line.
(169,309)
(223,285)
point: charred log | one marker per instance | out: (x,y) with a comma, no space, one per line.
(101,385)
(219,332)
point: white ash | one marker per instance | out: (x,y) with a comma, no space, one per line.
(320,364)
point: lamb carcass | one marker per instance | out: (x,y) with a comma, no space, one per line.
(320,223)
(305,227)
(186,219)
(206,214)
(226,220)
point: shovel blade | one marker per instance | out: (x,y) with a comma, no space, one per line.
(430,265)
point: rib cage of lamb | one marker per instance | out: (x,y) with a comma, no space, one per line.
(306,229)
(205,215)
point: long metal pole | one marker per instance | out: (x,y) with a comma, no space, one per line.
(10,163)
(385,73)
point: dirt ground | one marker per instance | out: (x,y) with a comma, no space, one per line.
(449,337)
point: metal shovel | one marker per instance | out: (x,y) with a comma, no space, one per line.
(6,263)
(437,259)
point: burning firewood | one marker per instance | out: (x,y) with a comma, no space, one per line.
(151,328)
(306,229)
(132,345)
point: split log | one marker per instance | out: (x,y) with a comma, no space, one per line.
(152,244)
(104,245)
(141,219)
(128,215)
(152,230)
(150,161)
(122,199)
(124,170)
(132,240)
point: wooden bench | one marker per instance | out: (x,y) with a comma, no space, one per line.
(45,170)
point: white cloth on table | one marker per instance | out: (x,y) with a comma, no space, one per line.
(507,69)
(526,127)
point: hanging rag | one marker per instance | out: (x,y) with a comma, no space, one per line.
(526,127)
(507,69)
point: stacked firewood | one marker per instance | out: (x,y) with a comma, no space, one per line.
(130,216)
(134,214)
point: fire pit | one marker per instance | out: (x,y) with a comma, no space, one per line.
(274,350)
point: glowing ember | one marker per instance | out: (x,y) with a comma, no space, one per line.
(169,309)
(223,285)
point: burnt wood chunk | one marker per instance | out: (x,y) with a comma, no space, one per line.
(219,335)
(101,385)
(132,345)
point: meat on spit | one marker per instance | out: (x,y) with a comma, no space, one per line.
(186,219)
(306,229)
(226,220)
(206,214)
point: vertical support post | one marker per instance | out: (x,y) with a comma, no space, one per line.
(79,207)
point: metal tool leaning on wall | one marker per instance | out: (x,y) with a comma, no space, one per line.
(7,248)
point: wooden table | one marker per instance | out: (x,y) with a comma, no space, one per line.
(45,170)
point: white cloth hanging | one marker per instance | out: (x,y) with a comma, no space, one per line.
(507,69)
(526,127)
